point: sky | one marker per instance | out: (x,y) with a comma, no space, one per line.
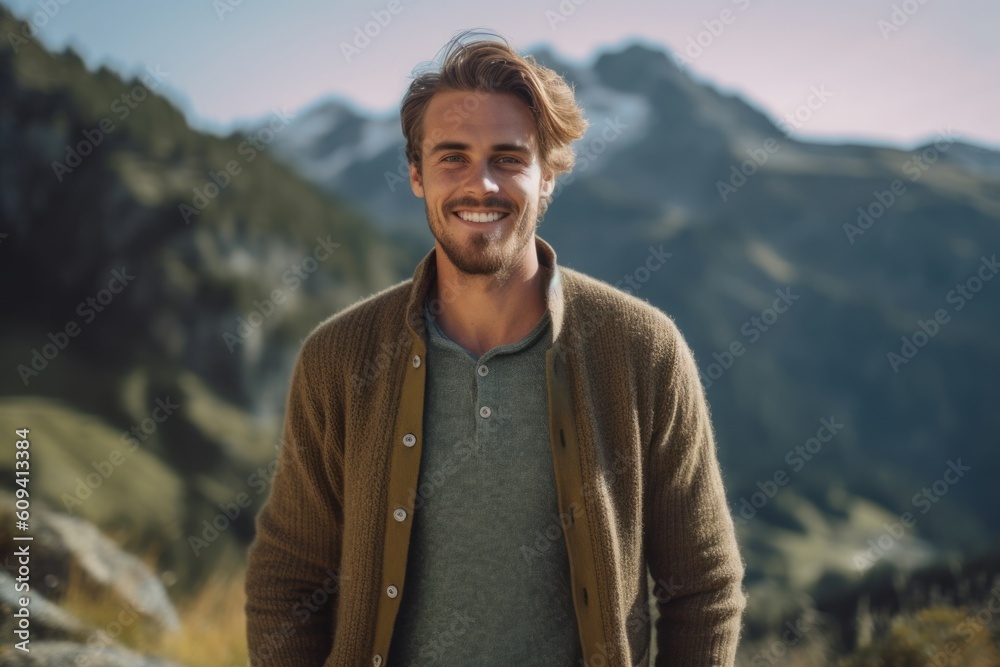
(895,72)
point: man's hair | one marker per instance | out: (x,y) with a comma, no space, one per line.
(492,66)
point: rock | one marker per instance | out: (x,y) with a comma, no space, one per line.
(109,566)
(48,621)
(63,543)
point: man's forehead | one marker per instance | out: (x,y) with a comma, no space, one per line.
(478,118)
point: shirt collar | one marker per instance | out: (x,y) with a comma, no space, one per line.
(426,272)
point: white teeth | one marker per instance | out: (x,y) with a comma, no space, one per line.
(469,216)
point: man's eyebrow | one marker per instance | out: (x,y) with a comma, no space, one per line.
(511,148)
(497,148)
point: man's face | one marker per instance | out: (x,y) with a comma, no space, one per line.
(480,161)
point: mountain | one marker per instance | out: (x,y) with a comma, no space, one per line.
(838,299)
(158,282)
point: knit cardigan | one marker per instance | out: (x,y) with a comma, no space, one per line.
(638,482)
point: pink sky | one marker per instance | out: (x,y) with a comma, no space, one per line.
(938,70)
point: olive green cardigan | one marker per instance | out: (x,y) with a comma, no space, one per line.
(636,469)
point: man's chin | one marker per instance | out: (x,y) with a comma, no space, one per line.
(481,253)
(472,260)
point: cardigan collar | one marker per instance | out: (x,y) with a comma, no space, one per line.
(426,273)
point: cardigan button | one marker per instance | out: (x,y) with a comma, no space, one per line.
(416,361)
(409,439)
(399,514)
(392,591)
(377,659)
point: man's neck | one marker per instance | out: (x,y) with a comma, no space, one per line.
(480,313)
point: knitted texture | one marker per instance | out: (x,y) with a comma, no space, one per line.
(488,577)
(652,484)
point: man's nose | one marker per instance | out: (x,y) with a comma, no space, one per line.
(480,180)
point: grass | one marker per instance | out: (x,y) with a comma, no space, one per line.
(115,620)
(213,631)
(213,624)
(942,636)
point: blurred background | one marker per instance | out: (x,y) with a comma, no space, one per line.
(188,188)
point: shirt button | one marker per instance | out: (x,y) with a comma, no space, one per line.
(409,439)
(485,412)
(416,361)
(483,370)
(392,591)
(399,514)
(377,660)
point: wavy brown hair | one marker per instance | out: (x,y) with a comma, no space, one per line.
(491,65)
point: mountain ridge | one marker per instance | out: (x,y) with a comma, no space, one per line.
(869,239)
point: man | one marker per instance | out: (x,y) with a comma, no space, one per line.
(479,463)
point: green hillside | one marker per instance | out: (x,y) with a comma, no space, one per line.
(147,262)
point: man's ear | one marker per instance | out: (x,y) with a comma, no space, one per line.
(548,184)
(416,182)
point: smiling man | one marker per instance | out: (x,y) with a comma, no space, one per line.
(532,443)
(482,193)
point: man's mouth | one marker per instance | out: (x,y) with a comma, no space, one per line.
(480,216)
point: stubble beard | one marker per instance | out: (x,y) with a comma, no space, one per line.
(486,253)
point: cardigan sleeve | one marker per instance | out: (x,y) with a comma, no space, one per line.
(691,547)
(293,579)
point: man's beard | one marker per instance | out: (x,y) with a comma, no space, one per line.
(491,252)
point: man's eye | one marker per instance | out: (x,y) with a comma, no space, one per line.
(506,159)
